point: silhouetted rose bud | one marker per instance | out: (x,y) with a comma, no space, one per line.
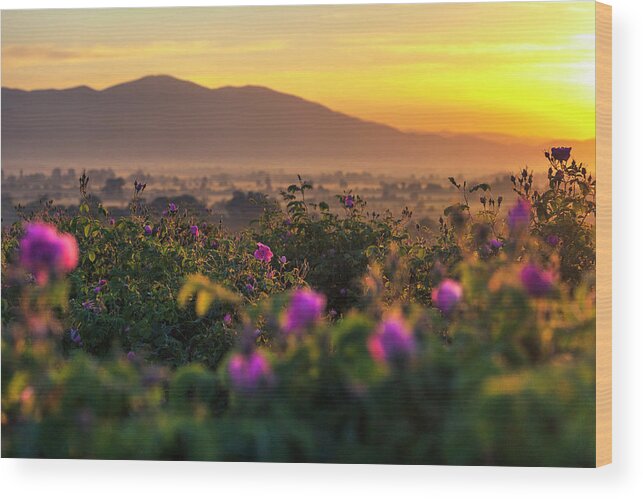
(561,153)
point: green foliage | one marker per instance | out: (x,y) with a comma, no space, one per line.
(205,293)
(566,211)
(333,250)
(504,378)
(138,307)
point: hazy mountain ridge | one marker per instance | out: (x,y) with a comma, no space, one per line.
(163,121)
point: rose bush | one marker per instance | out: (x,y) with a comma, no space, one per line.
(320,334)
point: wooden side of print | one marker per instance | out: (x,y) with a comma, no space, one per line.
(603,234)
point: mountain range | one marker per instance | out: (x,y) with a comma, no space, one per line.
(166,123)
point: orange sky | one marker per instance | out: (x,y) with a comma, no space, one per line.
(523,69)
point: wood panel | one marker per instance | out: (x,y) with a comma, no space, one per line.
(603,234)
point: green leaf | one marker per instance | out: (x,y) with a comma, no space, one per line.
(206,293)
(372,251)
(203,301)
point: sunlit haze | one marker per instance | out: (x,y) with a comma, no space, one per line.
(521,69)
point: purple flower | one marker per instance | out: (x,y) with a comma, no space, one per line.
(561,153)
(45,251)
(535,280)
(553,240)
(250,288)
(139,186)
(249,372)
(263,253)
(349,201)
(227,319)
(447,295)
(91,305)
(194,229)
(495,244)
(112,221)
(283,260)
(100,285)
(131,356)
(148,230)
(392,341)
(520,214)
(75,337)
(305,308)
(215,244)
(173,208)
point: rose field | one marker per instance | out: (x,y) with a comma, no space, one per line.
(324,332)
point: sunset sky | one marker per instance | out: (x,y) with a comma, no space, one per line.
(524,69)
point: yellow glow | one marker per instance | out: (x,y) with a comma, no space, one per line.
(523,69)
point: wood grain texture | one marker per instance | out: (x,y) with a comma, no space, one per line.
(603,234)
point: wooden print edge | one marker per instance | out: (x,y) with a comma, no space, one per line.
(603,234)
